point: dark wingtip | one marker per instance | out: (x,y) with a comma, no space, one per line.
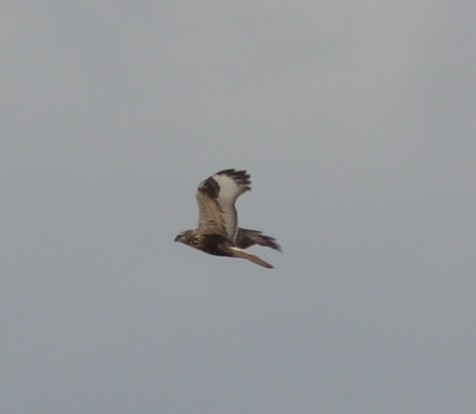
(240,176)
(211,187)
(248,237)
(271,242)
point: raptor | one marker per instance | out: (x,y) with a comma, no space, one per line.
(217,231)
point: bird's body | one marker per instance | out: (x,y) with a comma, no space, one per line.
(217,232)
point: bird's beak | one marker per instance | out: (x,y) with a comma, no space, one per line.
(178,238)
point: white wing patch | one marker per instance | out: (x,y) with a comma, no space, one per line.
(232,185)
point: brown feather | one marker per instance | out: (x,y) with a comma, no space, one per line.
(251,257)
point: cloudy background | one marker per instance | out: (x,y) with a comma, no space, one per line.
(357,123)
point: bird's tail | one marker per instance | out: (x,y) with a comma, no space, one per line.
(236,252)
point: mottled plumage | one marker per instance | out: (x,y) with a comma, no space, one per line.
(217,231)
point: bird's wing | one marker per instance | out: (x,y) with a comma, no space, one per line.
(216,198)
(237,252)
(246,238)
(210,220)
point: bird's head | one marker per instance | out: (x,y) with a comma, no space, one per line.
(184,237)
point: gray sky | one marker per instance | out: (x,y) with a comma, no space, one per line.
(357,123)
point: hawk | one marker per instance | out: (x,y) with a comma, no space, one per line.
(217,232)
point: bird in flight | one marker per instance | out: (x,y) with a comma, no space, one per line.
(217,232)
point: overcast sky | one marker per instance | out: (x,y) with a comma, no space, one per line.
(357,123)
